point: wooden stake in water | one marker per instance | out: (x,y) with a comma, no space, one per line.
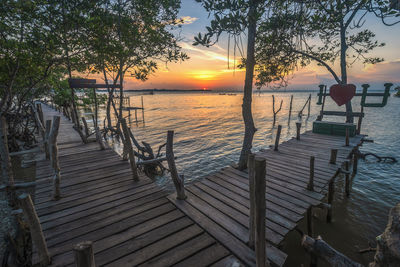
(290,108)
(278,136)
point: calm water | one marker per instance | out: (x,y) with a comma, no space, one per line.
(208,135)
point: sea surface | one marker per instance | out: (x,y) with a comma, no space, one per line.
(208,135)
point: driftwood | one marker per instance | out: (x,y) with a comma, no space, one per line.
(129,149)
(176,178)
(83,253)
(54,157)
(273,108)
(26,204)
(319,248)
(388,243)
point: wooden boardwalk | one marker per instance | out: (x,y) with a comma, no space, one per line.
(130,223)
(220,202)
(137,223)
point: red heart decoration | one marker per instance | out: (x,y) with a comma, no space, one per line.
(342,93)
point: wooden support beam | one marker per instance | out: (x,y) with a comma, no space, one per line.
(83,253)
(347,178)
(260,209)
(177,179)
(252,229)
(129,149)
(278,136)
(332,160)
(298,127)
(26,204)
(310,185)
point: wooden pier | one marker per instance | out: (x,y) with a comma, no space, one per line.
(137,223)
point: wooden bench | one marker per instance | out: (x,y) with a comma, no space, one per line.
(334,128)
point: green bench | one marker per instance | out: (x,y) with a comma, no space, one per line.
(334,128)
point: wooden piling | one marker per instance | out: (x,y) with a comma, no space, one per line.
(260,209)
(251,168)
(309,106)
(278,136)
(298,127)
(290,108)
(332,160)
(83,254)
(310,223)
(331,192)
(129,149)
(176,178)
(26,204)
(54,157)
(347,178)
(347,137)
(142,109)
(310,185)
(360,120)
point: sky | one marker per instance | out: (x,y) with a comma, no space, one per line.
(208,68)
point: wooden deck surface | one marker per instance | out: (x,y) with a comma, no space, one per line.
(220,202)
(137,223)
(130,223)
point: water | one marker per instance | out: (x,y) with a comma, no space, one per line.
(209,132)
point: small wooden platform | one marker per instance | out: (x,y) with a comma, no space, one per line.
(130,223)
(220,202)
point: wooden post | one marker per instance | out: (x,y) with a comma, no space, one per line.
(83,253)
(310,223)
(347,136)
(46,141)
(360,120)
(331,192)
(309,106)
(332,160)
(347,178)
(86,126)
(273,108)
(176,178)
(129,149)
(54,157)
(298,127)
(310,185)
(260,209)
(278,136)
(355,162)
(26,204)
(251,168)
(142,110)
(290,108)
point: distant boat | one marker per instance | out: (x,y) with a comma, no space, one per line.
(151,92)
(231,94)
(222,93)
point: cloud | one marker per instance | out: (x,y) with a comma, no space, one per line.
(207,54)
(187,20)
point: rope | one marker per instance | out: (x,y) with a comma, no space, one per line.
(379,158)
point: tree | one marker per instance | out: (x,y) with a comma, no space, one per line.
(323,31)
(234,17)
(131,37)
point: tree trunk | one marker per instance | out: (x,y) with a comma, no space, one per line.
(248,88)
(343,68)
